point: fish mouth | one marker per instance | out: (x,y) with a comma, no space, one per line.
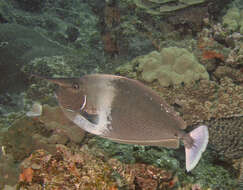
(69,110)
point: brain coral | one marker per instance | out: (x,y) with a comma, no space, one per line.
(171,66)
(226,136)
(232,20)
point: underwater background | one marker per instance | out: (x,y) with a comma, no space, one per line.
(189,51)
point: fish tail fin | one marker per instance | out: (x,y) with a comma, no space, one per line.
(199,138)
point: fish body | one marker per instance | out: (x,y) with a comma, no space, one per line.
(126,111)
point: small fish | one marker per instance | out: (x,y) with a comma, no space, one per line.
(126,111)
(35,111)
(2,151)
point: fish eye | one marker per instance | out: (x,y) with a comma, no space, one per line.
(75,86)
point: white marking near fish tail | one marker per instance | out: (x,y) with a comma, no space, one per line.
(200,140)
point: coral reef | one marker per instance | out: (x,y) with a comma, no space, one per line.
(226,71)
(185,16)
(221,53)
(81,169)
(90,167)
(171,66)
(76,38)
(29,134)
(171,161)
(66,169)
(226,137)
(206,100)
(219,106)
(59,28)
(56,66)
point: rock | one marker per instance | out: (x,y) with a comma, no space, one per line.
(186,16)
(35,166)
(57,139)
(8,171)
(55,120)
(28,134)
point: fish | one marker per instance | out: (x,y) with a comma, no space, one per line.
(126,111)
(35,111)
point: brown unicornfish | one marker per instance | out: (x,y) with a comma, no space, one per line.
(126,111)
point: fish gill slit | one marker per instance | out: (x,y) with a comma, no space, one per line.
(84,104)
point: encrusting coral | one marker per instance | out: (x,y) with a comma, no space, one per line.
(232,20)
(171,66)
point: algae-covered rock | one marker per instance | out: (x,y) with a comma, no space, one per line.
(159,7)
(171,66)
(49,66)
